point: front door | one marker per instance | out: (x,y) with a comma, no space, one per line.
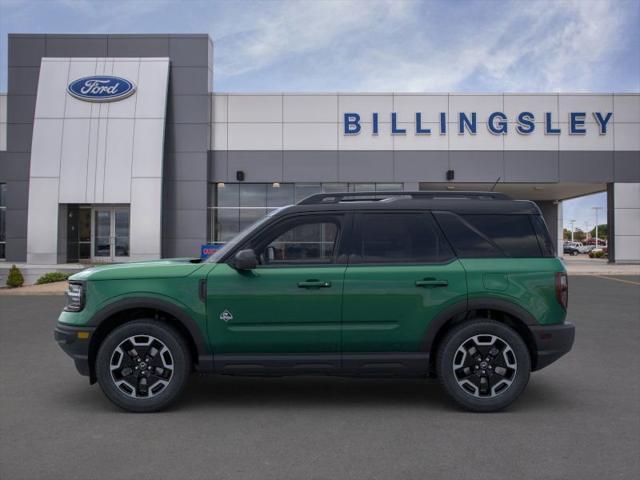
(291,303)
(110,228)
(402,273)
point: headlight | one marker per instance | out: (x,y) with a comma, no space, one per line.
(75,297)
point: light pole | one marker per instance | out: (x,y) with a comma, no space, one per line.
(572,222)
(596,209)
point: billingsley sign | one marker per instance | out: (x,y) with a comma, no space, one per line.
(101,88)
(497,123)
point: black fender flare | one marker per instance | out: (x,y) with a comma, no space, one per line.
(462,308)
(205,359)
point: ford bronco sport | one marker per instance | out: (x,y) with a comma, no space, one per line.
(463,286)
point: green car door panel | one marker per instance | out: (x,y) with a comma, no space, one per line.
(283,309)
(388,308)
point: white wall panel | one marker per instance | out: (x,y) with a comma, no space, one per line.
(411,141)
(365,140)
(534,141)
(219,104)
(310,108)
(146,214)
(3,108)
(430,106)
(92,160)
(483,140)
(483,105)
(536,104)
(365,105)
(584,103)
(310,136)
(118,158)
(125,108)
(626,195)
(73,162)
(628,221)
(51,85)
(255,108)
(77,108)
(626,107)
(45,147)
(255,136)
(592,140)
(42,220)
(151,94)
(219,136)
(148,147)
(627,136)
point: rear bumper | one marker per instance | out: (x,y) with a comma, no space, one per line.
(552,342)
(74,345)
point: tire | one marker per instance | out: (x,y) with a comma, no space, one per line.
(460,372)
(574,253)
(146,346)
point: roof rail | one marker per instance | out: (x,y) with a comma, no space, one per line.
(320,198)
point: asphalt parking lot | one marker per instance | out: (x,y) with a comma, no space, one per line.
(579,418)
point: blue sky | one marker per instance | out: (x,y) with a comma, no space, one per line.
(370,45)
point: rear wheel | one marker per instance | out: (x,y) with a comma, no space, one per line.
(483,365)
(142,366)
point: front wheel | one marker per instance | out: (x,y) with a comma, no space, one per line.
(143,365)
(483,365)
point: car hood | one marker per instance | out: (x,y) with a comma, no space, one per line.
(166,268)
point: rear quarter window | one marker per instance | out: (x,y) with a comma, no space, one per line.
(488,236)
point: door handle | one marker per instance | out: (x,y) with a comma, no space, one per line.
(314,284)
(431,283)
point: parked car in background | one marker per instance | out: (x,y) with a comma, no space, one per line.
(571,248)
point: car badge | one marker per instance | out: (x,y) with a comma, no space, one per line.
(226,316)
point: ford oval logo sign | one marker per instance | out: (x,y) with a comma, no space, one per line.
(101,88)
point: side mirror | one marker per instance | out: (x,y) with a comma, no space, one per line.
(245,260)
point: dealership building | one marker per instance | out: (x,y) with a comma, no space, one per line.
(118,148)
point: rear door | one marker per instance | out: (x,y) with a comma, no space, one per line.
(401,274)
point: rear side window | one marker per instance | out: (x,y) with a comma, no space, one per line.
(544,239)
(400,238)
(487,236)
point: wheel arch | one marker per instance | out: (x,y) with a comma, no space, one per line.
(500,310)
(129,309)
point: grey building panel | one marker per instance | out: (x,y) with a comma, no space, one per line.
(22,108)
(189,51)
(258,165)
(17,195)
(185,166)
(188,109)
(16,249)
(531,166)
(218,166)
(186,223)
(586,166)
(549,211)
(23,80)
(182,247)
(188,80)
(426,166)
(76,46)
(26,50)
(626,166)
(185,195)
(187,137)
(365,166)
(477,166)
(19,137)
(138,46)
(16,223)
(310,166)
(14,167)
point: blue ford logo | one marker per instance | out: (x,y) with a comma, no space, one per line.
(103,88)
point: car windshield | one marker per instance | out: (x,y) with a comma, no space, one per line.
(239,238)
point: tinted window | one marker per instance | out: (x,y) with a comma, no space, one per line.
(482,236)
(544,239)
(401,238)
(303,242)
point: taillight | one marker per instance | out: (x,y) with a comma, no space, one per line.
(562,289)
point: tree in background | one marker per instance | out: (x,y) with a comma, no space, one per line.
(603,231)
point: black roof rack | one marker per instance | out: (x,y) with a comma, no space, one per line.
(320,198)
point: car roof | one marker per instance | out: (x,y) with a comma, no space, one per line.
(457,202)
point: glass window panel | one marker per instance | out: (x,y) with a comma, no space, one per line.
(227,223)
(305,189)
(84,224)
(2,250)
(312,242)
(84,251)
(280,196)
(3,194)
(250,215)
(335,187)
(253,195)
(467,241)
(389,187)
(227,195)
(363,187)
(513,234)
(401,238)
(3,233)
(103,233)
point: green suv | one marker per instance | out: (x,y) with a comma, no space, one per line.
(463,286)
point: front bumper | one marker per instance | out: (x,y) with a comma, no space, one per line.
(75,343)
(552,342)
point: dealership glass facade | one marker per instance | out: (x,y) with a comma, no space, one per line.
(235,206)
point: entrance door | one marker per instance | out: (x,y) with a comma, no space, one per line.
(110,234)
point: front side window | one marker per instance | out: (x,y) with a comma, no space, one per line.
(400,238)
(300,242)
